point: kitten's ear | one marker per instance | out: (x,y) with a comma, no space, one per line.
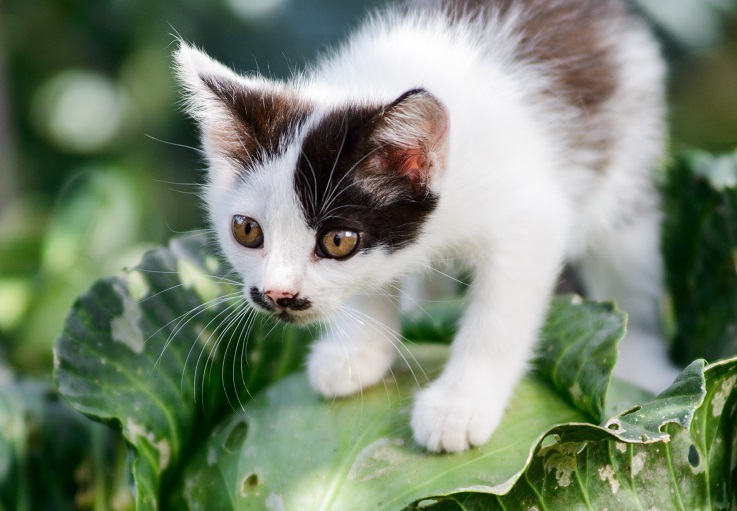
(203,80)
(412,134)
(239,117)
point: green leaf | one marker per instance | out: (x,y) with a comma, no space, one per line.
(39,433)
(700,253)
(157,353)
(145,351)
(588,467)
(676,404)
(578,350)
(434,323)
(291,447)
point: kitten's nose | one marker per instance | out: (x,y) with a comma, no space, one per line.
(281,298)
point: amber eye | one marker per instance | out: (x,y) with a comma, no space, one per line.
(337,243)
(247,231)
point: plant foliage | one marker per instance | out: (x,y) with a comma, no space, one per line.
(162,353)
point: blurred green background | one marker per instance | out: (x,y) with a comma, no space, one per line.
(96,164)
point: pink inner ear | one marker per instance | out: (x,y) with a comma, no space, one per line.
(413,165)
(409,163)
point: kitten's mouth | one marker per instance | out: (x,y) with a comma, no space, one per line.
(289,318)
(292,318)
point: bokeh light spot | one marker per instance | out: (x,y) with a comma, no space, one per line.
(80,111)
(251,9)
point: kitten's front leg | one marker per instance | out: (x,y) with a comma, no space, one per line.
(358,349)
(508,300)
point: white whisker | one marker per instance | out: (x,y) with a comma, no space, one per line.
(184,319)
(204,346)
(396,339)
(467,284)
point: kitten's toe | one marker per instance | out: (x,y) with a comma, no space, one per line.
(446,420)
(336,369)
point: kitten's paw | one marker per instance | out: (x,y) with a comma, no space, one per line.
(339,369)
(446,420)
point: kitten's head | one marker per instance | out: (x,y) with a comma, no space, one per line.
(312,202)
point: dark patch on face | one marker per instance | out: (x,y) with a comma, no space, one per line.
(342,180)
(295,303)
(263,120)
(261,299)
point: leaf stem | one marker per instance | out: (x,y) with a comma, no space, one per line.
(669,460)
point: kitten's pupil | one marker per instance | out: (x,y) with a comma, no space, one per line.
(337,244)
(247,231)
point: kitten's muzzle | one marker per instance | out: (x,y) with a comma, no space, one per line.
(279,301)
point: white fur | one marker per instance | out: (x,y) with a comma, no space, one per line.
(515,203)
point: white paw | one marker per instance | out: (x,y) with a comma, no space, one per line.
(451,421)
(339,369)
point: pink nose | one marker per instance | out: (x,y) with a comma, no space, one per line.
(275,295)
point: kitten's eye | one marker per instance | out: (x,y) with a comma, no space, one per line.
(247,231)
(337,243)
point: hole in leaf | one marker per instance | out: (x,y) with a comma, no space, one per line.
(236,437)
(548,441)
(613,426)
(693,456)
(633,410)
(250,483)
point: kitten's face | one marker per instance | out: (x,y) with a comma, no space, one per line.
(312,204)
(293,268)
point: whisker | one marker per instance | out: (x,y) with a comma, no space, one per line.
(189,233)
(467,284)
(327,204)
(227,321)
(243,316)
(244,340)
(175,183)
(423,300)
(351,363)
(184,319)
(400,290)
(233,318)
(337,157)
(216,278)
(351,312)
(204,346)
(314,181)
(201,152)
(395,338)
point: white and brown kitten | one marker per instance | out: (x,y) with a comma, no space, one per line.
(512,136)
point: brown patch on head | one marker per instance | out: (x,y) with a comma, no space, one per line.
(573,43)
(567,36)
(261,120)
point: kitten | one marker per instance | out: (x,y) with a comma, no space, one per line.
(510,135)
